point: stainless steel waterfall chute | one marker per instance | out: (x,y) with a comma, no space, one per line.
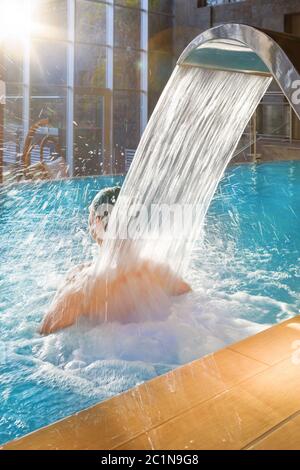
(245,49)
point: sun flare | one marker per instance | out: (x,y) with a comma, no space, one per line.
(15,18)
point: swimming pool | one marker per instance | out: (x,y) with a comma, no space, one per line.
(246,276)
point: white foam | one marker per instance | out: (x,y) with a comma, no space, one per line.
(114,357)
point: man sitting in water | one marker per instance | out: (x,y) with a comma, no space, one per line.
(116,295)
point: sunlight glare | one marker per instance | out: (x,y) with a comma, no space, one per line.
(15,18)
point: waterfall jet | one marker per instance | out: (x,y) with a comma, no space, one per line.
(193,132)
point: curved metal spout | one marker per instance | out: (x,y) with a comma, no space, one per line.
(245,49)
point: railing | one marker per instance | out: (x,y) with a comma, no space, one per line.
(258,130)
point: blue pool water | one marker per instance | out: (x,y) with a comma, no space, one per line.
(245,277)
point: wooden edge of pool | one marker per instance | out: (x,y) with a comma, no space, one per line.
(245,396)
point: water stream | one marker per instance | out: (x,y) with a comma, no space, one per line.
(189,141)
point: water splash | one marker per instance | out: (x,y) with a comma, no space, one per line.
(241,283)
(183,153)
(191,137)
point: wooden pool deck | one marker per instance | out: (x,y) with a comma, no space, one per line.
(246,396)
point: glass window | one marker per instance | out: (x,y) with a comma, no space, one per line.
(48,63)
(48,102)
(50,19)
(129,3)
(273,117)
(165,6)
(126,119)
(88,111)
(160,32)
(153,98)
(90,22)
(127,27)
(127,69)
(13,61)
(160,69)
(90,66)
(88,134)
(13,124)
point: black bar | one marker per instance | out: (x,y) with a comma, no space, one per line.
(135,459)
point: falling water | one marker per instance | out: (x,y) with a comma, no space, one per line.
(183,153)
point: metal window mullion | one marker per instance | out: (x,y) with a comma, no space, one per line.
(110,44)
(70,87)
(144,64)
(26,89)
(110,79)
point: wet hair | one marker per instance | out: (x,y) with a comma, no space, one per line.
(105,196)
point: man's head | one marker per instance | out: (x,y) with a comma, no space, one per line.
(100,211)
